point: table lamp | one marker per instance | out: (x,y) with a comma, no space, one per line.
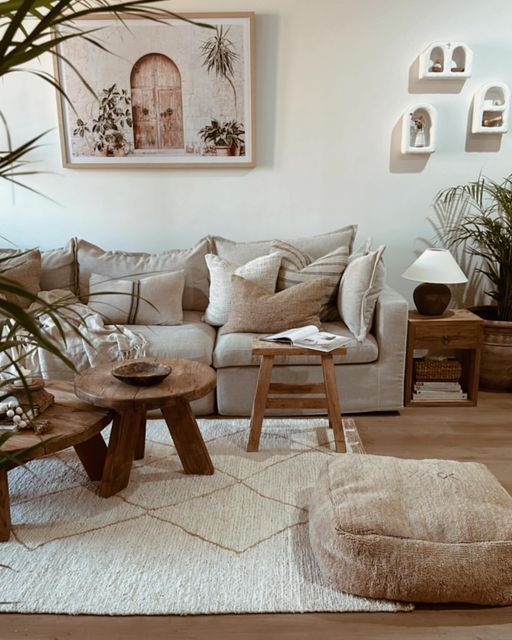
(435,268)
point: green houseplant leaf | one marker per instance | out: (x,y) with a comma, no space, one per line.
(486,231)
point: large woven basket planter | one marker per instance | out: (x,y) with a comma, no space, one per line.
(496,363)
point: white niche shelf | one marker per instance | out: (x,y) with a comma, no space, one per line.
(417,140)
(446,61)
(491,108)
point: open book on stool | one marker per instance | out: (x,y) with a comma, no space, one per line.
(309,337)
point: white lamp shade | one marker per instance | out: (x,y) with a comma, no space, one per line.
(437,266)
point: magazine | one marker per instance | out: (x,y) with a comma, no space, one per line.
(309,337)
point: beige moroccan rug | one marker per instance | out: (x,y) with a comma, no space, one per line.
(234,542)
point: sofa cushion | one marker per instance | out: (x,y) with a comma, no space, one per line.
(360,287)
(193,340)
(148,300)
(23,268)
(261,270)
(420,530)
(122,264)
(59,268)
(254,309)
(315,246)
(297,267)
(234,350)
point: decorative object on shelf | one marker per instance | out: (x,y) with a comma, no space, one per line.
(491,108)
(435,268)
(446,60)
(159,111)
(141,373)
(485,232)
(419,126)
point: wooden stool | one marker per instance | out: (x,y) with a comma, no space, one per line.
(266,388)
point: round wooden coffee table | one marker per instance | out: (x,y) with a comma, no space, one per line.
(187,381)
(73,424)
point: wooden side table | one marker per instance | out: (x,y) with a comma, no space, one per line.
(457,329)
(280,392)
(187,381)
(73,424)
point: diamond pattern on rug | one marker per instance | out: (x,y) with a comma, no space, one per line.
(171,543)
(69,513)
(274,482)
(227,532)
(162,483)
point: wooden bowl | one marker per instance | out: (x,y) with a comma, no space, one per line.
(141,374)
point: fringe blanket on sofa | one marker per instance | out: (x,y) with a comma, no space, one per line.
(88,341)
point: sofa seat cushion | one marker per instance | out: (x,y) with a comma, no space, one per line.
(419,530)
(192,340)
(234,349)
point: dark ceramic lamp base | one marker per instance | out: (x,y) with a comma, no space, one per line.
(431,299)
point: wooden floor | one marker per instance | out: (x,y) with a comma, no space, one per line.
(482,433)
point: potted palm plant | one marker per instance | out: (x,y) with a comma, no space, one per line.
(485,230)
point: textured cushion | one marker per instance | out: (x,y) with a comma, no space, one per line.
(315,246)
(121,264)
(59,268)
(234,350)
(254,309)
(23,269)
(192,340)
(150,300)
(360,286)
(420,530)
(261,270)
(297,267)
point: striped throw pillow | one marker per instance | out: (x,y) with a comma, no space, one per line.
(151,300)
(298,267)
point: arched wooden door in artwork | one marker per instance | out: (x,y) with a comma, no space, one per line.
(156,103)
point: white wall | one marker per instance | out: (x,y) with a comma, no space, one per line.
(333,78)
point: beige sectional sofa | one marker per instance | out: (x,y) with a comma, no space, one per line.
(369,377)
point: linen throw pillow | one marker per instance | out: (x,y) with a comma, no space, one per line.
(315,246)
(150,300)
(123,264)
(254,309)
(298,267)
(59,268)
(23,268)
(262,271)
(360,287)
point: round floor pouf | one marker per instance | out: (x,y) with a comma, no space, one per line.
(413,530)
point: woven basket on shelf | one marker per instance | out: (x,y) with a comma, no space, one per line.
(437,370)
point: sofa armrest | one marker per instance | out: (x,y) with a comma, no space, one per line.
(390,324)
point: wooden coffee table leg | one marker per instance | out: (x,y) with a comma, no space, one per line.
(120,452)
(333,403)
(187,438)
(5,507)
(92,454)
(140,447)
(260,401)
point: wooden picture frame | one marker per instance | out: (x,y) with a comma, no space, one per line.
(169,109)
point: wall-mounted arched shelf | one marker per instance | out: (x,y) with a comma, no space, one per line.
(491,108)
(446,60)
(419,129)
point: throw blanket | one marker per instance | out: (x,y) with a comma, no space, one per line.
(88,341)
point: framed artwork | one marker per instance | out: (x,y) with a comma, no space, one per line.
(173,95)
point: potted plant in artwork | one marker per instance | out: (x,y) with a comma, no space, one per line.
(226,137)
(485,231)
(108,129)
